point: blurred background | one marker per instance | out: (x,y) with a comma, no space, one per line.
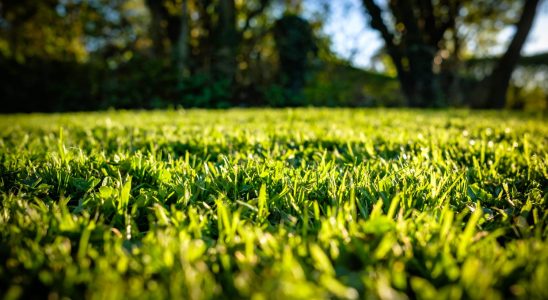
(73,55)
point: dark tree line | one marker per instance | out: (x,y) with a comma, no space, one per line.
(207,53)
(95,54)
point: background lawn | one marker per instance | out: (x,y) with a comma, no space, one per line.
(281,204)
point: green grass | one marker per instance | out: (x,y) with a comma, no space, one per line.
(280,204)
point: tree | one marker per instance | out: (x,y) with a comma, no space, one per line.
(182,51)
(422,34)
(294,42)
(414,43)
(491,92)
(48,30)
(217,34)
(225,41)
(165,25)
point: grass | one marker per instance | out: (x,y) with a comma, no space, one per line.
(280,204)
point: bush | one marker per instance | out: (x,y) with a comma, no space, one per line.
(52,86)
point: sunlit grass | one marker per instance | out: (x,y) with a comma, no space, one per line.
(281,204)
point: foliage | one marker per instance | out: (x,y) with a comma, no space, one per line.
(294,44)
(66,30)
(67,86)
(305,203)
(338,84)
(147,83)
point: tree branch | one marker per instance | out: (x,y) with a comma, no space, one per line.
(376,21)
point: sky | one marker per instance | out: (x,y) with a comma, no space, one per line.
(352,38)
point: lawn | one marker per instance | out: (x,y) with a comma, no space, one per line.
(274,204)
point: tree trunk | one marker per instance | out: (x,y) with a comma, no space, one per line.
(226,41)
(413,56)
(426,86)
(491,92)
(204,57)
(182,49)
(156,31)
